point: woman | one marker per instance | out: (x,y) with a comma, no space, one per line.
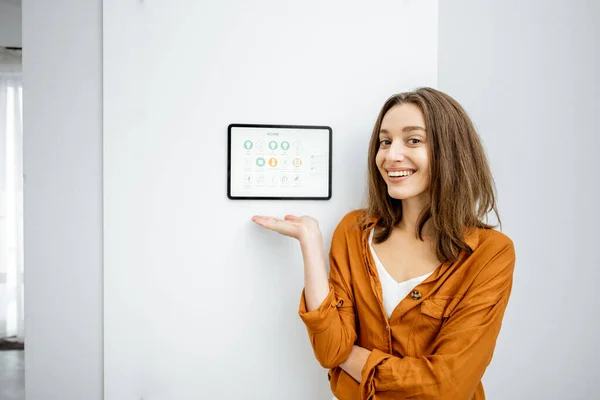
(418,282)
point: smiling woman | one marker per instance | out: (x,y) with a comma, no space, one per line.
(418,282)
(428,132)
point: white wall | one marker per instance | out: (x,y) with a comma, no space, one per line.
(63,199)
(10,24)
(199,301)
(527,72)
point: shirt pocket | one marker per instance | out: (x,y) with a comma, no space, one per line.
(431,315)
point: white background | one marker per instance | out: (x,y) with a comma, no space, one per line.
(199,301)
(532,61)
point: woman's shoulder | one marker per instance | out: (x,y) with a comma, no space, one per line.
(490,237)
(352,224)
(491,243)
(353,219)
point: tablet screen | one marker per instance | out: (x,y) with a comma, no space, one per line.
(279,162)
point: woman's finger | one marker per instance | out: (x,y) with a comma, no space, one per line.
(285,227)
(262,218)
(266,222)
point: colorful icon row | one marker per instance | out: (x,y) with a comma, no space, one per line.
(274,162)
(273,145)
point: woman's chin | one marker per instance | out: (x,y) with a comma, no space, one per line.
(403,194)
(399,194)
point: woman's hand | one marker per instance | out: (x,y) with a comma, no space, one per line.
(356,362)
(300,228)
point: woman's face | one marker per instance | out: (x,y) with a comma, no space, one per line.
(402,158)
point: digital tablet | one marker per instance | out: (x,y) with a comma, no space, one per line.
(279,162)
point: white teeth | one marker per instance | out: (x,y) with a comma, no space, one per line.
(400,173)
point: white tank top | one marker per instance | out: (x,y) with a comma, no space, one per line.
(393,292)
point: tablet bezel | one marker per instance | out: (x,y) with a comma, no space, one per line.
(237,125)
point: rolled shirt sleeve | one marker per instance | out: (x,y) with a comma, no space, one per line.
(318,320)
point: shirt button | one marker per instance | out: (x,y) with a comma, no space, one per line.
(416,295)
(387,327)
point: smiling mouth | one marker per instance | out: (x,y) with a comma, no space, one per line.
(398,175)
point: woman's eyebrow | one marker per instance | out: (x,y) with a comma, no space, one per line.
(412,128)
(405,129)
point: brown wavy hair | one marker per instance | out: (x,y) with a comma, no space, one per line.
(461,184)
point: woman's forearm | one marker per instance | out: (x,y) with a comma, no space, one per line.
(356,362)
(316,282)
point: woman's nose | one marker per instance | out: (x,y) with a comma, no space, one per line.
(396,152)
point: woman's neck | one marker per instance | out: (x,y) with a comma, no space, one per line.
(411,209)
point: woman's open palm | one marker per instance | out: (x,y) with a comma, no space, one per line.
(292,226)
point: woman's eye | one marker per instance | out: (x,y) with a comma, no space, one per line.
(385,142)
(417,141)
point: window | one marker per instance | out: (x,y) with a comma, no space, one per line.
(11,207)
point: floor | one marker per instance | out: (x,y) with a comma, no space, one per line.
(12,375)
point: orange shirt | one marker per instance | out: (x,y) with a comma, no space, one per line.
(439,339)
